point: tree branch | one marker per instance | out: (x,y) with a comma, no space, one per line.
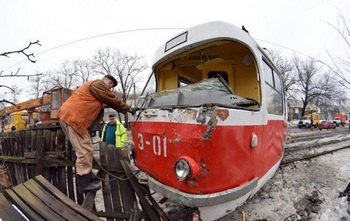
(18,75)
(6,101)
(30,56)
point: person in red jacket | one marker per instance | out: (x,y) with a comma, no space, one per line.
(78,113)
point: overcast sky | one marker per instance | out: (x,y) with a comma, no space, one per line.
(71,29)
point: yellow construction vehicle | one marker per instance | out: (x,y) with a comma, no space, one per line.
(41,110)
(310,119)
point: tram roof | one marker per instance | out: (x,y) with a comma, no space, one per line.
(199,35)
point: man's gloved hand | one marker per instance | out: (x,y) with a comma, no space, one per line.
(133,110)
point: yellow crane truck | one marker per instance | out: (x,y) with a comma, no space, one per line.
(310,119)
(41,110)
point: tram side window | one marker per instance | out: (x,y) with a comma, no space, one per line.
(274,93)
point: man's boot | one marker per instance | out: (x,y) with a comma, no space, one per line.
(85,185)
(93,177)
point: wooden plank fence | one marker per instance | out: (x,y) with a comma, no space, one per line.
(46,152)
(37,199)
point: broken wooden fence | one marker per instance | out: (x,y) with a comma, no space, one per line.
(46,152)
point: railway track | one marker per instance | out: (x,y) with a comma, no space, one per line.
(304,145)
(297,135)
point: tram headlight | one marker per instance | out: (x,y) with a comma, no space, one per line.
(186,168)
(182,169)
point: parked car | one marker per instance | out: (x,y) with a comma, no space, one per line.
(326,124)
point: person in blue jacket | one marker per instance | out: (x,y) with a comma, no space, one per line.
(114,133)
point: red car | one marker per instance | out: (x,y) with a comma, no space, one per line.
(326,124)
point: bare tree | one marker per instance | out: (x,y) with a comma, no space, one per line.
(125,68)
(333,97)
(36,86)
(85,69)
(340,65)
(66,76)
(315,86)
(285,66)
(15,93)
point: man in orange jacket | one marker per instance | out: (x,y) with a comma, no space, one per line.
(78,113)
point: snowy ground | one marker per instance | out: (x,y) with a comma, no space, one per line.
(306,190)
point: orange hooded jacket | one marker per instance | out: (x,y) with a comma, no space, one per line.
(85,105)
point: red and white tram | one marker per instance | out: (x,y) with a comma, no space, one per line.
(212,123)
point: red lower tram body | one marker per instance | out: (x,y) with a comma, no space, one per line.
(226,161)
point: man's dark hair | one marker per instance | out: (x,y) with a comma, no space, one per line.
(110,77)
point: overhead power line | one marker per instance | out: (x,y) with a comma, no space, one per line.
(96,36)
(137,30)
(281,46)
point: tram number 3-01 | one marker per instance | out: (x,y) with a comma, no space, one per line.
(157,143)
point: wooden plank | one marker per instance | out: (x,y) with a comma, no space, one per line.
(16,165)
(55,154)
(89,201)
(21,205)
(8,212)
(114,180)
(60,147)
(6,147)
(39,132)
(29,148)
(29,155)
(23,167)
(154,203)
(70,180)
(14,149)
(52,202)
(17,171)
(127,194)
(61,179)
(119,215)
(60,141)
(47,136)
(106,188)
(52,143)
(141,195)
(40,152)
(58,194)
(36,204)
(33,140)
(135,214)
